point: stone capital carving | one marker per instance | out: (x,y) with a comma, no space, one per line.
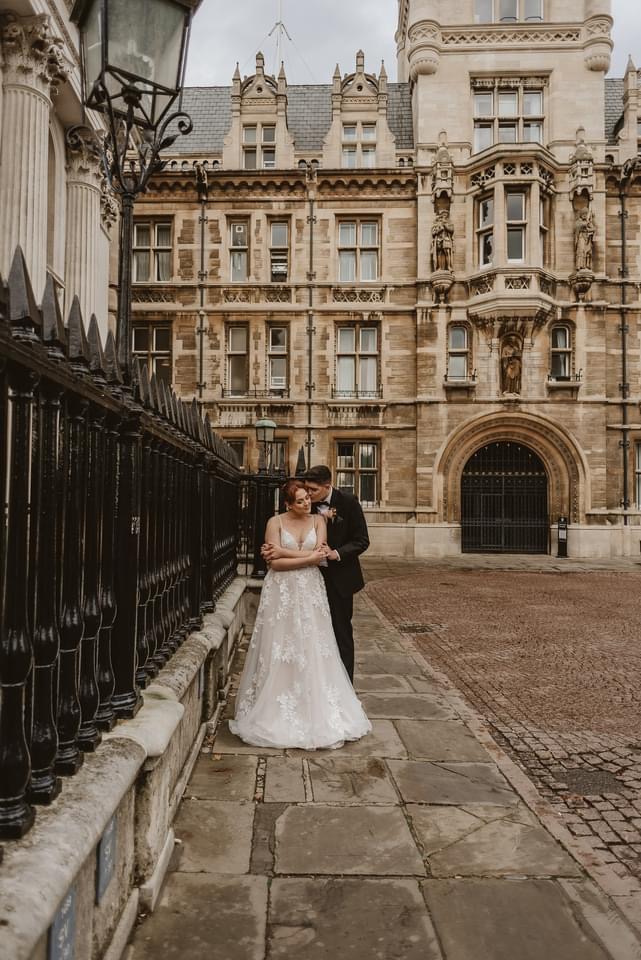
(84,156)
(32,54)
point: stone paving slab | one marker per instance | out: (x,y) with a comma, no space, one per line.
(408,706)
(381,683)
(451,783)
(351,780)
(327,919)
(383,741)
(226,742)
(318,839)
(284,780)
(206,917)
(385,663)
(488,840)
(223,778)
(440,740)
(215,836)
(508,920)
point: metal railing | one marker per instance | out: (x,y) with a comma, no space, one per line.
(119,529)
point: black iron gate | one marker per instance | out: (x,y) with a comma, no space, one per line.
(504,505)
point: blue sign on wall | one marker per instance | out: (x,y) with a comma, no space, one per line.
(106,858)
(62,932)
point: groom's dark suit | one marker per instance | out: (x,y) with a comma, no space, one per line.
(346,533)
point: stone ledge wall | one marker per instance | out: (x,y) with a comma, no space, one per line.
(138,776)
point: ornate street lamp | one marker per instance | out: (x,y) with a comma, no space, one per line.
(265,430)
(133,55)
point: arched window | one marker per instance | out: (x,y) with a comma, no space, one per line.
(560,352)
(458,352)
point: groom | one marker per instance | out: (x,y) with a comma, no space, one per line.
(347,538)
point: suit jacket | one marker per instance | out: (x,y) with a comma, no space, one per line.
(347,533)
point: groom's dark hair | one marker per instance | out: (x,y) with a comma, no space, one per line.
(320,474)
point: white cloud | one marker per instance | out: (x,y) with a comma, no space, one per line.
(325,32)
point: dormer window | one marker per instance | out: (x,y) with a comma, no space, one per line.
(259,146)
(359,145)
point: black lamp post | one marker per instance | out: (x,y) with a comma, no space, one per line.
(133,55)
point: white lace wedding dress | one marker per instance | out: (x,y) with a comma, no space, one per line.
(294,690)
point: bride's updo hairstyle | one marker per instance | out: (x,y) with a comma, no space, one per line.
(290,488)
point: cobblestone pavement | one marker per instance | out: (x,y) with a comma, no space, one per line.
(549,653)
(422,841)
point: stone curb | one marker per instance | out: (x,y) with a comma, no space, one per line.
(56,847)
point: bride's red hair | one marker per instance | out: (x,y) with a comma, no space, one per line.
(289,489)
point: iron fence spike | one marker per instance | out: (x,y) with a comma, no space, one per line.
(24,316)
(77,344)
(53,328)
(112,367)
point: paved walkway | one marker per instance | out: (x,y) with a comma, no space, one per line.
(412,844)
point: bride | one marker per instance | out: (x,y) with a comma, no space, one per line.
(294,690)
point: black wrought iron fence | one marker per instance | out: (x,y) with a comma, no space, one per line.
(259,500)
(119,529)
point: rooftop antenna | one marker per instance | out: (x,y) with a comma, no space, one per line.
(281,29)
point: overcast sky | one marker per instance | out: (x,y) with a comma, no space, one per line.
(326,31)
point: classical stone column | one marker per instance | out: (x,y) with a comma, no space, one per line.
(84,178)
(33,66)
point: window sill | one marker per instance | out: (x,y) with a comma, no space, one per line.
(467,386)
(565,388)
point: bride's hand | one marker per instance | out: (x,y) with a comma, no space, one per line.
(317,556)
(270,551)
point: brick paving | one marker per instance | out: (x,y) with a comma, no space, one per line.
(550,656)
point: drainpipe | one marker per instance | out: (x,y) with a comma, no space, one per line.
(203,194)
(629,167)
(310,180)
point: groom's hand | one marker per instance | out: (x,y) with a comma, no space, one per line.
(333,555)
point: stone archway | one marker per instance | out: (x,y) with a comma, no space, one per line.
(568,483)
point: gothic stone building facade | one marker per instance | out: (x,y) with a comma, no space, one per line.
(431,285)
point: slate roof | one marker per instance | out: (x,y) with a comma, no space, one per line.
(309,115)
(613,107)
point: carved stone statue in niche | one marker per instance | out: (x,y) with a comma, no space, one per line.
(583,239)
(442,241)
(511,364)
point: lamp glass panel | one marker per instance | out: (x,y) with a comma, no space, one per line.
(145,39)
(92,44)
